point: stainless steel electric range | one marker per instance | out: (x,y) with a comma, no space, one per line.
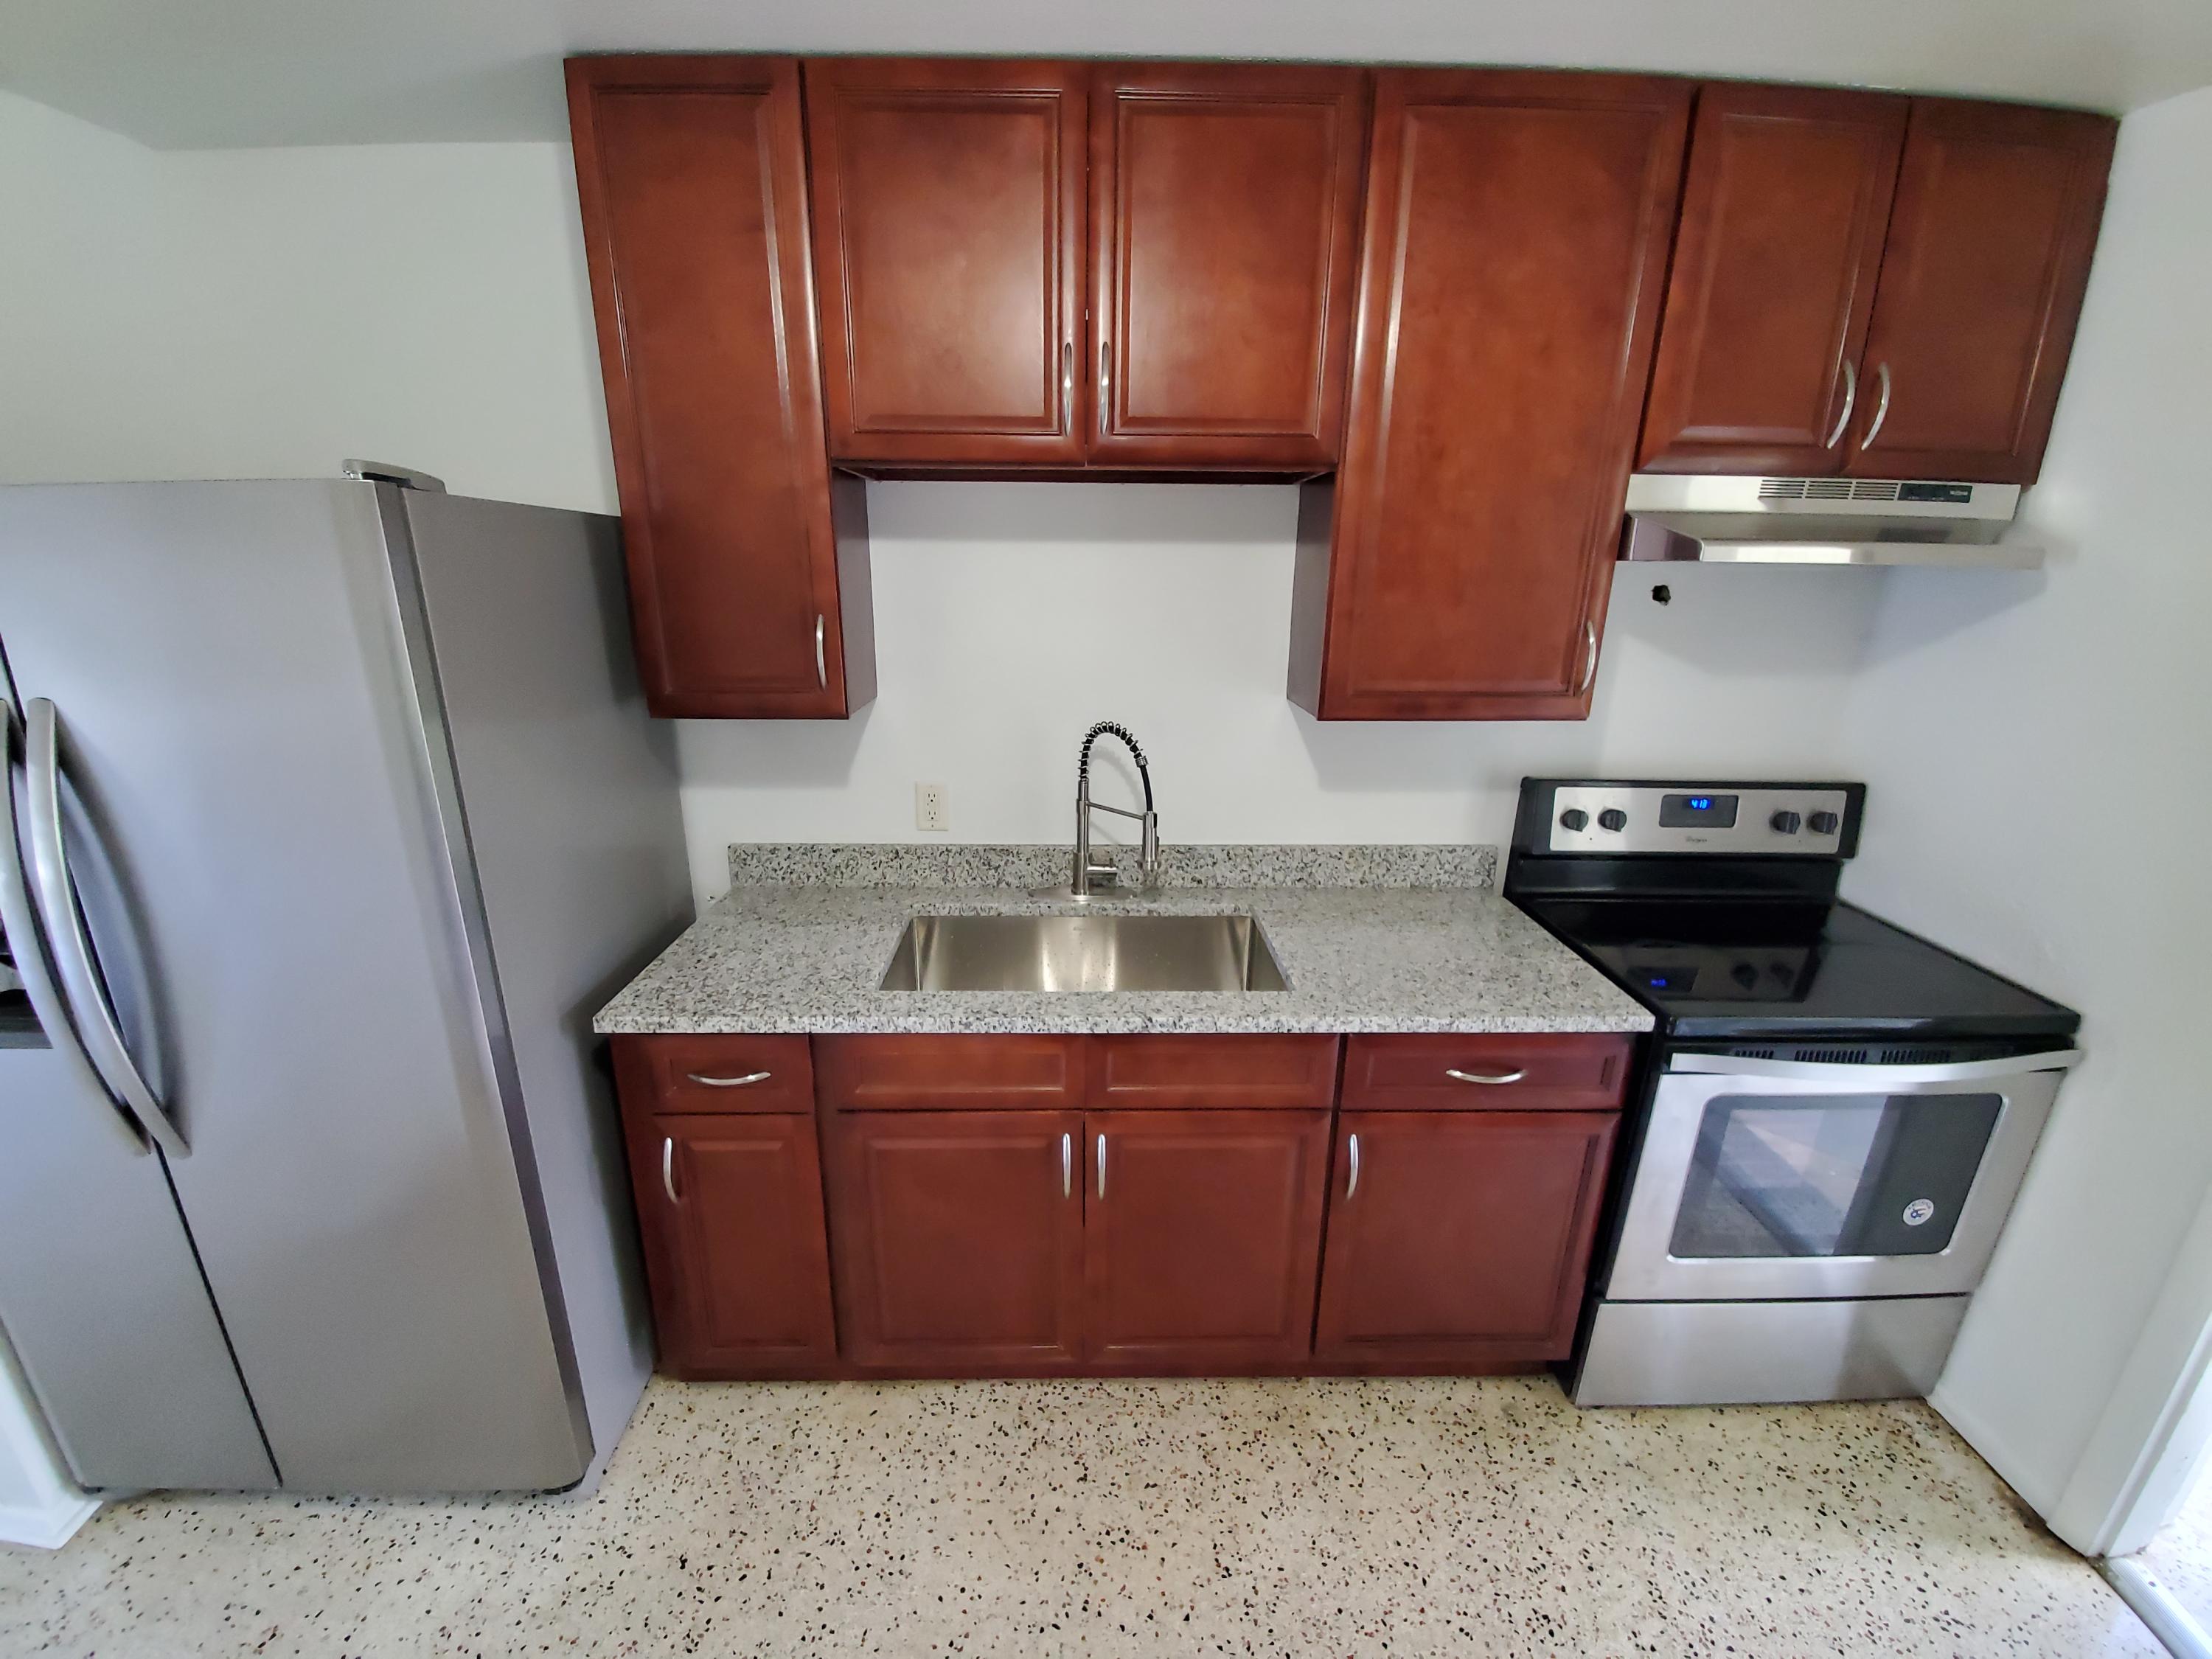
(1834,1114)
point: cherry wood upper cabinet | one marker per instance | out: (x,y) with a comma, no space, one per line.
(1464,1237)
(1783,214)
(1202,1244)
(1514,242)
(1224,216)
(748,574)
(949,240)
(1990,243)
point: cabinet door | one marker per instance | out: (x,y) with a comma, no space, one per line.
(731,1209)
(1784,213)
(948,225)
(1203,1240)
(1225,210)
(1514,240)
(1989,241)
(959,1238)
(749,578)
(1460,1237)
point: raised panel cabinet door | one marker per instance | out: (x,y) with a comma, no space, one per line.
(1224,215)
(1460,1237)
(1203,1240)
(1989,242)
(1784,212)
(731,1209)
(1515,243)
(949,235)
(749,576)
(959,1238)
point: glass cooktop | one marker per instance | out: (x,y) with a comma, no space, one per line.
(1727,968)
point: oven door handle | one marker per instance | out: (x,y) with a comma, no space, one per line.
(1872,1077)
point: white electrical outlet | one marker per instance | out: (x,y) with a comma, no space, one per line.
(932,811)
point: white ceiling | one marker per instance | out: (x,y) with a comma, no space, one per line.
(195,73)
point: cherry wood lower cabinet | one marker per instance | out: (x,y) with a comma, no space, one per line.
(959,1239)
(731,1207)
(1460,1239)
(1201,1239)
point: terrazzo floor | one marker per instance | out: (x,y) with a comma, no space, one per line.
(2181,1555)
(1038,1519)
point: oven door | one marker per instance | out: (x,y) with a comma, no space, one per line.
(1787,1179)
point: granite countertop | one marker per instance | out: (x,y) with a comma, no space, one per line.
(802,939)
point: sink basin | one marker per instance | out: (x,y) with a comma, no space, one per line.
(1083,953)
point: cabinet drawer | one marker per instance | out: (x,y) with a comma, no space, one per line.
(1502,1073)
(715,1073)
(951,1073)
(1252,1072)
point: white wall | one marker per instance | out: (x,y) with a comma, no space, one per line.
(2039,750)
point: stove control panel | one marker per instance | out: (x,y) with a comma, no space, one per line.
(1806,820)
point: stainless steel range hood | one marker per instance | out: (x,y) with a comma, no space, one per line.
(1684,517)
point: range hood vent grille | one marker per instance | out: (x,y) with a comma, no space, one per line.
(1828,490)
(1747,521)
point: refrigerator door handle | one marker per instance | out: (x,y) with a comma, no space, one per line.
(29,950)
(55,895)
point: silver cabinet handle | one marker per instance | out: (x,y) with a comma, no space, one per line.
(1589,658)
(1881,405)
(22,931)
(1105,385)
(821,660)
(1352,1185)
(1491,1077)
(1850,399)
(1102,1166)
(744,1082)
(1067,1166)
(1067,380)
(54,892)
(668,1168)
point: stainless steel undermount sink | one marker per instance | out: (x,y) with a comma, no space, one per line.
(1083,953)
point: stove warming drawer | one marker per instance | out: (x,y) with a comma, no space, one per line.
(1716,1353)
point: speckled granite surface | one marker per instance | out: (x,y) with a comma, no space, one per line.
(808,958)
(941,864)
(1443,1516)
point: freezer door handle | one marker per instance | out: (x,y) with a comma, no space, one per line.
(29,950)
(54,893)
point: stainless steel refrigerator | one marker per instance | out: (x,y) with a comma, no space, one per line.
(333,812)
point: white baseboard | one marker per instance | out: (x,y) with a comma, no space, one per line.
(48,1527)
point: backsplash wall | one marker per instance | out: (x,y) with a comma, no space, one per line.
(1011,616)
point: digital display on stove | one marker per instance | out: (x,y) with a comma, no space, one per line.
(1688,811)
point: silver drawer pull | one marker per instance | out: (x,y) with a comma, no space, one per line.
(668,1168)
(1493,1078)
(821,661)
(1102,1166)
(1067,1166)
(744,1082)
(1352,1185)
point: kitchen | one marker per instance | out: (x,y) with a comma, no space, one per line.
(430,304)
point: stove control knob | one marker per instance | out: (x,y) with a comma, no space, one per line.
(1612,818)
(1823,823)
(1786,823)
(1574,818)
(1744,975)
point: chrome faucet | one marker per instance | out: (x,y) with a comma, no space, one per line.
(1148,859)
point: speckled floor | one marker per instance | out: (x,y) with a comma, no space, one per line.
(2181,1555)
(1042,1519)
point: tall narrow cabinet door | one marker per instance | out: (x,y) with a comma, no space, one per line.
(959,1238)
(1784,214)
(731,1208)
(691,173)
(1203,1242)
(1516,239)
(1460,1237)
(949,234)
(1225,213)
(1990,244)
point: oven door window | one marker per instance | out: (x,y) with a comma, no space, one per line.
(1831,1175)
